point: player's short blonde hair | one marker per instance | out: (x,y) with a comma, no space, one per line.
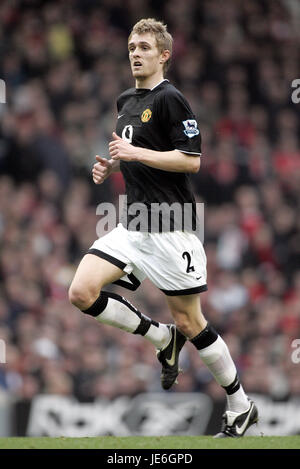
(163,38)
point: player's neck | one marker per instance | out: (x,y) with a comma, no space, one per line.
(148,82)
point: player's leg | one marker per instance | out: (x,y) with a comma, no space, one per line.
(86,293)
(189,319)
(183,329)
(92,274)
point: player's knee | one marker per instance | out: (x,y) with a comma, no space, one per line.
(77,296)
(82,298)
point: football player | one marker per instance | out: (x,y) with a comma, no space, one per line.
(156,146)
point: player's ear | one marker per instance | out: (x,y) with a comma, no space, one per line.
(165,55)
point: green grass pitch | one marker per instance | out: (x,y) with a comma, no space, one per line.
(166,442)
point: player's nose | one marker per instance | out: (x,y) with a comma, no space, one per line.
(136,53)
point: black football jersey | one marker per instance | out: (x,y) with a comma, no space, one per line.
(158,119)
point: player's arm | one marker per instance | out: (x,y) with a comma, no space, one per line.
(103,168)
(174,161)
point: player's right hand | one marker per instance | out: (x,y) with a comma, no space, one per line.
(101,170)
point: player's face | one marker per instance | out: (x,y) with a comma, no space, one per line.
(145,58)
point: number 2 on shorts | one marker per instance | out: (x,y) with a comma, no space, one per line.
(190,268)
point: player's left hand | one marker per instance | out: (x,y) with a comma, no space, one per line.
(119,149)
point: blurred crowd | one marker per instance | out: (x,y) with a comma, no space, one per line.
(64,63)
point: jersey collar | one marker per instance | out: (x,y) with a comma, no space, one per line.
(143,90)
(165,79)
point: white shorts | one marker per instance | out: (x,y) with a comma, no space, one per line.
(174,261)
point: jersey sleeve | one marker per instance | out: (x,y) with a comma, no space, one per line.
(179,122)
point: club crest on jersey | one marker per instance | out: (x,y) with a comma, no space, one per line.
(146,116)
(190,127)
